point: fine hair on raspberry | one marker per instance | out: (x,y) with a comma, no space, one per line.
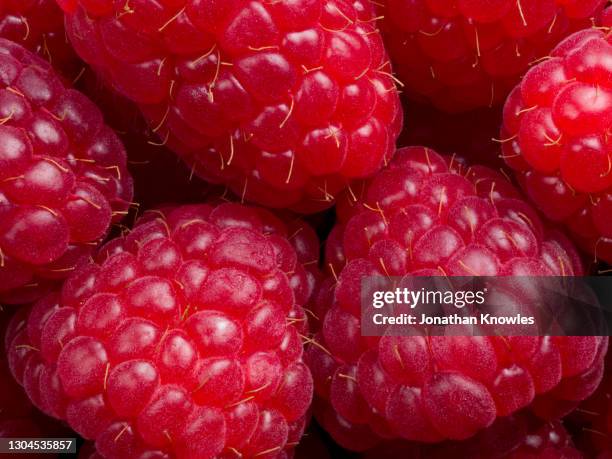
(429,215)
(63,176)
(555,136)
(182,339)
(284,102)
(464,54)
(38,25)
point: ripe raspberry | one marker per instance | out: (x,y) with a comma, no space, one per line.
(39,26)
(284,101)
(426,215)
(63,176)
(181,340)
(462,54)
(556,126)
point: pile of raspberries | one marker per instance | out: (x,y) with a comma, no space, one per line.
(193,194)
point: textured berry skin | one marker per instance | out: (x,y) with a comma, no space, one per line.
(182,339)
(428,215)
(283,101)
(39,26)
(462,54)
(63,175)
(556,128)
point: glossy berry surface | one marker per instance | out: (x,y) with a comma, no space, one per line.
(39,26)
(429,215)
(63,175)
(555,134)
(283,101)
(462,54)
(182,339)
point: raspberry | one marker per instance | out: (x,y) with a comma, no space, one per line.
(513,437)
(39,26)
(555,136)
(462,54)
(63,176)
(282,101)
(427,215)
(182,339)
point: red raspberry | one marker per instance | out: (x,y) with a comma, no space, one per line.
(63,176)
(462,54)
(284,101)
(555,133)
(39,26)
(181,340)
(426,215)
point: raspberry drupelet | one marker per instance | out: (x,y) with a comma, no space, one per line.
(39,26)
(183,339)
(63,175)
(429,215)
(556,136)
(283,101)
(463,54)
